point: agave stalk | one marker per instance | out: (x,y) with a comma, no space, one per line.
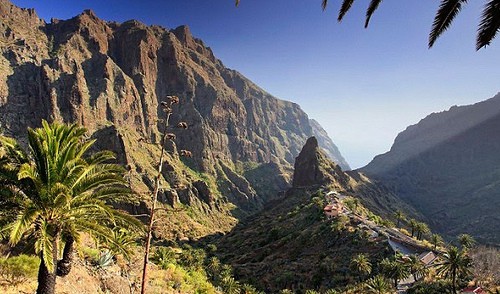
(167,108)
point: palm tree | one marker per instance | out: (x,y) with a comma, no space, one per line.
(378,285)
(421,229)
(395,270)
(248,289)
(61,193)
(417,268)
(400,216)
(413,223)
(455,263)
(361,265)
(436,240)
(466,241)
(231,286)
(213,266)
(489,24)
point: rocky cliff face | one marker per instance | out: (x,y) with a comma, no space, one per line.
(111,78)
(446,166)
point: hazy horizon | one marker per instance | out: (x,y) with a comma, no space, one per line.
(362,86)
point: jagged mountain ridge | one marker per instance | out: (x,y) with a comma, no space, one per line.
(447,167)
(111,77)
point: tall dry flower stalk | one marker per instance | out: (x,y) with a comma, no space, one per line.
(167,108)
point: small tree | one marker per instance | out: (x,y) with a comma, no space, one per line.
(466,241)
(395,270)
(436,240)
(413,223)
(455,263)
(361,265)
(416,267)
(421,230)
(378,285)
(400,216)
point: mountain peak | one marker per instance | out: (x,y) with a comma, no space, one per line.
(183,34)
(312,167)
(89,12)
(311,143)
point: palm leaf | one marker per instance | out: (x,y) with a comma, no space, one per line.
(23,222)
(371,9)
(45,247)
(344,8)
(448,10)
(324,3)
(489,25)
(40,161)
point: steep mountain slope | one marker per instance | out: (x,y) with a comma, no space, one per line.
(112,77)
(292,244)
(448,167)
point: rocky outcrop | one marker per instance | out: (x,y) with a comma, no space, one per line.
(312,168)
(446,166)
(326,143)
(112,77)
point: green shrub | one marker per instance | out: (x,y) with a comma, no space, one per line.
(164,256)
(90,254)
(211,248)
(18,269)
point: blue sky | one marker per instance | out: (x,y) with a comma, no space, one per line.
(363,85)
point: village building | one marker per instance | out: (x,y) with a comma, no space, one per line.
(334,209)
(428,258)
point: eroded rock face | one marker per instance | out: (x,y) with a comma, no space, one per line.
(312,168)
(111,78)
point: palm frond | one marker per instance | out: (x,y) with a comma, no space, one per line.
(13,150)
(116,194)
(45,247)
(324,3)
(37,150)
(103,234)
(371,9)
(101,157)
(344,8)
(489,24)
(23,222)
(448,10)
